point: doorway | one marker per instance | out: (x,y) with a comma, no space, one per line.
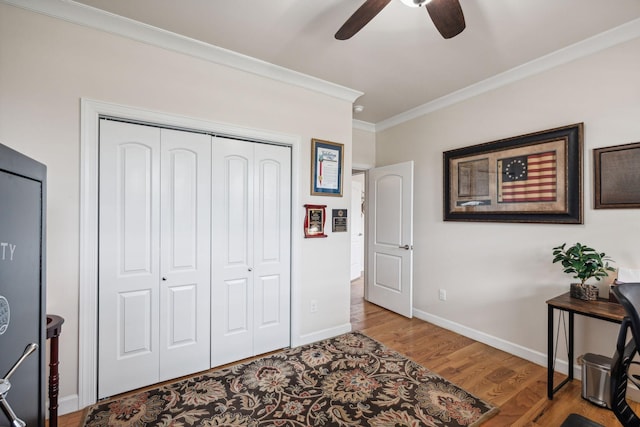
(358,178)
(388,240)
(168,197)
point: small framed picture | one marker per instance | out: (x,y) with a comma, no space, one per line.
(339,220)
(326,168)
(617,180)
(314,221)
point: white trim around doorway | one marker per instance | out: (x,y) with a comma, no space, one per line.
(91,111)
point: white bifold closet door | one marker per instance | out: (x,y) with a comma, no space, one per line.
(250,287)
(154,255)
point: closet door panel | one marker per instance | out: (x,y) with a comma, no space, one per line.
(268,294)
(134,322)
(232,307)
(272,185)
(128,257)
(183,309)
(134,204)
(236,209)
(237,319)
(185,253)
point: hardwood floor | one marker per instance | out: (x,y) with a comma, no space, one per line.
(516,386)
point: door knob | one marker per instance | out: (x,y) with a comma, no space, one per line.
(164,279)
(250,269)
(406,247)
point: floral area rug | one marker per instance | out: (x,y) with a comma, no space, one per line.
(350,380)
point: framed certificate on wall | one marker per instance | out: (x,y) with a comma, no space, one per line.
(326,168)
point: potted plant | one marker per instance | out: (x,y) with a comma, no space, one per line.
(583,263)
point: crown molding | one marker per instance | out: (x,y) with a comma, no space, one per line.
(88,16)
(70,11)
(589,46)
(361,125)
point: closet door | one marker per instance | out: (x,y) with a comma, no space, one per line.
(272,247)
(129,257)
(250,249)
(185,253)
(154,261)
(231,251)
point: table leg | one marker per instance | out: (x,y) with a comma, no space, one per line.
(549,352)
(54,329)
(551,390)
(570,350)
(53,383)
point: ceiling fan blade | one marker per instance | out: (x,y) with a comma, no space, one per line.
(360,18)
(447,16)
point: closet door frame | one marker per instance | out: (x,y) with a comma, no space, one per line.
(91,112)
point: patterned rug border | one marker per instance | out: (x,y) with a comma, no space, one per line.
(229,368)
(490,414)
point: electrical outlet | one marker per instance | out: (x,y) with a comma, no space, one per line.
(443,295)
(313,306)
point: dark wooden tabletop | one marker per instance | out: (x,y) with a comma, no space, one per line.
(600,308)
(54,325)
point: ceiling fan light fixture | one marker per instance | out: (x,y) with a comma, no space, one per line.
(414,3)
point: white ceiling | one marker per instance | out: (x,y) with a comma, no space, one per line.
(398,60)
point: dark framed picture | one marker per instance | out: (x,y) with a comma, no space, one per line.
(617,176)
(314,221)
(339,220)
(529,178)
(326,168)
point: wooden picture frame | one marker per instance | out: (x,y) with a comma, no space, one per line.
(617,176)
(327,161)
(535,177)
(314,219)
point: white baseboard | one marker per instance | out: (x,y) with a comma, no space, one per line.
(517,350)
(322,335)
(66,405)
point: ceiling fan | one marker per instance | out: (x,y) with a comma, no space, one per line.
(446,15)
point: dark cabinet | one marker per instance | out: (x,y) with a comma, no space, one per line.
(22,287)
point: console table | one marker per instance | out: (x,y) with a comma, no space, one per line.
(601,309)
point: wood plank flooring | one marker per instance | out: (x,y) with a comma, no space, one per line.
(515,385)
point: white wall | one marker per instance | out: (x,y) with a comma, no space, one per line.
(47,65)
(498,275)
(364,149)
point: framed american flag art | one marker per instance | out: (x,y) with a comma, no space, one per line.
(535,177)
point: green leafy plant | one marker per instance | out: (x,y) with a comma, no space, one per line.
(582,261)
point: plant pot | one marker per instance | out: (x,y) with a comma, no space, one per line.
(584,292)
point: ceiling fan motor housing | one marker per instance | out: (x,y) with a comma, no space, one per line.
(415,3)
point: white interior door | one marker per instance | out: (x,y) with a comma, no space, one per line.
(272,247)
(250,250)
(154,255)
(232,257)
(129,257)
(357,235)
(390,237)
(185,337)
